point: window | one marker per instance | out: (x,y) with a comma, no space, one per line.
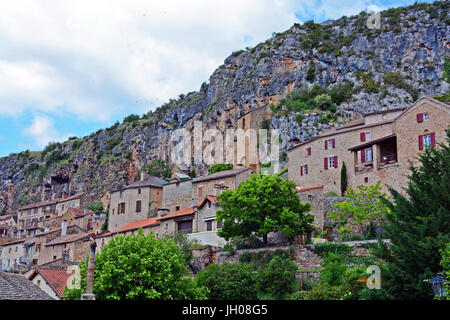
(138,205)
(243,123)
(304,170)
(121,208)
(121,194)
(367,136)
(139,191)
(200,191)
(177,208)
(209,225)
(427,140)
(38,283)
(366,179)
(330,144)
(308,151)
(384,116)
(330,162)
(425,116)
(368,153)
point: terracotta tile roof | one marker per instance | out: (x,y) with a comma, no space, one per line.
(308,189)
(18,287)
(179,213)
(133,226)
(68,238)
(80,212)
(211,199)
(55,278)
(221,174)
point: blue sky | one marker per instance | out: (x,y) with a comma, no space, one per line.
(71,67)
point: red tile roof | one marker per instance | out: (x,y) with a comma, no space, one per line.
(133,226)
(179,213)
(55,278)
(80,212)
(68,238)
(211,199)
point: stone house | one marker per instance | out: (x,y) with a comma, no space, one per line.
(245,143)
(198,221)
(83,218)
(75,246)
(147,225)
(12,254)
(134,202)
(51,280)
(34,215)
(177,194)
(215,183)
(375,148)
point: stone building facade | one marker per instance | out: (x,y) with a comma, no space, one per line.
(177,194)
(135,202)
(375,148)
(12,254)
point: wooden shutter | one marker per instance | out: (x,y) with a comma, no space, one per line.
(326,144)
(325,163)
(333,143)
(301,171)
(138,206)
(363,156)
(335,162)
(433,139)
(362,135)
(306,169)
(420,117)
(420,142)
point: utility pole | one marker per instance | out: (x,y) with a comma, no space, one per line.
(90,271)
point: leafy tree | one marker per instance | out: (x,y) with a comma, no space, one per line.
(131,118)
(260,205)
(97,207)
(323,101)
(276,280)
(419,226)
(139,267)
(236,281)
(310,74)
(158,168)
(219,167)
(365,207)
(343,179)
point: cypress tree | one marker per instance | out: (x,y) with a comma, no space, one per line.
(343,179)
(419,227)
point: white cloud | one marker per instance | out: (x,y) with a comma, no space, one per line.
(42,131)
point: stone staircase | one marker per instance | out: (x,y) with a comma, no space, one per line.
(307,259)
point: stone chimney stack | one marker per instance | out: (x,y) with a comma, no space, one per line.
(63,228)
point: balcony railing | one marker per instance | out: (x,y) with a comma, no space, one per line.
(363,167)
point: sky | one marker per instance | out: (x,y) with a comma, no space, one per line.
(69,68)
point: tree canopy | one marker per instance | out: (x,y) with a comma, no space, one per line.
(158,168)
(140,267)
(261,205)
(219,167)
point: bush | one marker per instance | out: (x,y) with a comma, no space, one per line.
(229,281)
(324,249)
(131,118)
(299,119)
(219,167)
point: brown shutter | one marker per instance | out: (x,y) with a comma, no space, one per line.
(420,142)
(420,117)
(433,139)
(362,135)
(325,163)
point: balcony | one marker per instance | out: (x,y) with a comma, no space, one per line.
(363,167)
(387,159)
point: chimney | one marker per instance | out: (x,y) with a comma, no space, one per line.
(142,175)
(63,228)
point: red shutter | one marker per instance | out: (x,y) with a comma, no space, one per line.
(334,143)
(363,156)
(301,171)
(306,169)
(326,144)
(335,162)
(420,117)
(433,140)
(325,163)
(420,142)
(363,136)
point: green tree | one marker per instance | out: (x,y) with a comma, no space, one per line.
(97,207)
(260,205)
(363,208)
(343,179)
(323,101)
(219,167)
(276,280)
(157,168)
(140,267)
(230,281)
(419,226)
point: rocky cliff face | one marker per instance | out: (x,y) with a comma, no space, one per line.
(385,67)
